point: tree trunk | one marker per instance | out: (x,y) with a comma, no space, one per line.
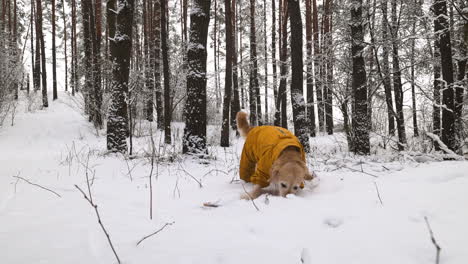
(273,53)
(360,122)
(65,44)
(194,140)
(157,64)
(254,88)
(386,70)
(297,97)
(448,118)
(235,102)
(265,63)
(438,84)
(329,67)
(281,110)
(120,47)
(309,74)
(228,75)
(413,86)
(167,89)
(96,32)
(397,85)
(88,53)
(54,55)
(40,35)
(317,65)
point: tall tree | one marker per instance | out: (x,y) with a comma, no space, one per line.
(281,115)
(157,64)
(254,88)
(328,93)
(297,97)
(361,144)
(317,65)
(64,16)
(120,47)
(265,62)
(96,33)
(273,52)
(309,74)
(228,75)
(54,55)
(235,102)
(386,81)
(397,83)
(40,36)
(194,140)
(441,25)
(167,89)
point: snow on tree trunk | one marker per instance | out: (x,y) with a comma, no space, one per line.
(120,47)
(297,97)
(194,140)
(361,144)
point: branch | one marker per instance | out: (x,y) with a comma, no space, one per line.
(378,193)
(444,147)
(154,233)
(90,201)
(434,242)
(250,197)
(37,185)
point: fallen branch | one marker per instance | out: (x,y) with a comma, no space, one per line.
(37,185)
(444,147)
(361,171)
(154,233)
(250,197)
(433,240)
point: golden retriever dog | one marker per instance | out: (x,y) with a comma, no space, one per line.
(271,155)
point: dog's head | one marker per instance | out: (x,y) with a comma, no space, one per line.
(289,176)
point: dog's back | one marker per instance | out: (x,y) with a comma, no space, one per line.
(243,125)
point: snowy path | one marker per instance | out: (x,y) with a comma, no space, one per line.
(339,221)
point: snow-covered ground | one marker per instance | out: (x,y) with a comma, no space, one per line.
(339,218)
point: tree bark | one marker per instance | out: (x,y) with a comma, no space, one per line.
(254,88)
(317,65)
(309,74)
(40,35)
(228,75)
(297,97)
(397,84)
(54,55)
(441,25)
(194,140)
(360,121)
(386,70)
(167,89)
(157,64)
(120,47)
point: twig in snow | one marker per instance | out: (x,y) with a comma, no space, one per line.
(154,233)
(433,240)
(361,171)
(250,197)
(378,193)
(37,185)
(91,202)
(191,176)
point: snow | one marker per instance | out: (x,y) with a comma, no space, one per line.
(338,218)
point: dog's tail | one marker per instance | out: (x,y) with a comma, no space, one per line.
(243,125)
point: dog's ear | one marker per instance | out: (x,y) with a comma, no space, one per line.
(308,176)
(274,173)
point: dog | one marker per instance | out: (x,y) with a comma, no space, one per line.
(271,155)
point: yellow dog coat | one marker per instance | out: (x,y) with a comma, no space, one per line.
(262,147)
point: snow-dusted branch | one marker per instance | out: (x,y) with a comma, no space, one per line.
(37,185)
(154,233)
(434,242)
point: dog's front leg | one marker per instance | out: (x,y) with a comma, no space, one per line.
(254,194)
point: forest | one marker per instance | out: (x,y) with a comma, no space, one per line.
(138,98)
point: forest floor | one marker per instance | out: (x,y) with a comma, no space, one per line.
(359,210)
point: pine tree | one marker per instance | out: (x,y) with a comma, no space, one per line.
(297,97)
(361,144)
(194,140)
(120,47)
